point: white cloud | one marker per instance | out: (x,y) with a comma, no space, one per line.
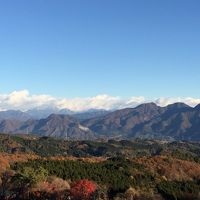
(23,100)
(188,100)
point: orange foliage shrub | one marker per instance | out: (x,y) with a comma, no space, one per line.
(6,159)
(83,190)
(51,185)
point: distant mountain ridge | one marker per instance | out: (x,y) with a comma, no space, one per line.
(44,113)
(176,121)
(63,126)
(14,115)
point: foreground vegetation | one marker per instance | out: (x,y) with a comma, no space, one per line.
(47,168)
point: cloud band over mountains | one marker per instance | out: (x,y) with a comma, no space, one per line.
(23,100)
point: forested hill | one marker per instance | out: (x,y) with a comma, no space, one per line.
(48,146)
(38,168)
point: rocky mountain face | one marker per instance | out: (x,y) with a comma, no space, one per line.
(176,121)
(9,126)
(121,122)
(62,126)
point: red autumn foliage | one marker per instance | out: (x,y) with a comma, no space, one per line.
(82,190)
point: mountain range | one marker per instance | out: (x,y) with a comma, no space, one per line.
(44,113)
(176,121)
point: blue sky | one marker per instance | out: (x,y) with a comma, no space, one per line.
(83,48)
